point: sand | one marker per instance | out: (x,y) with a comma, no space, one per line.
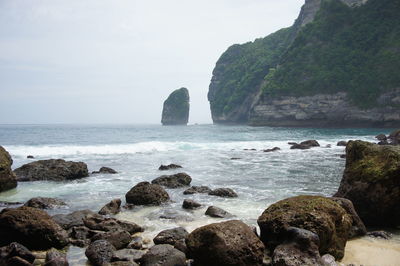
(368,251)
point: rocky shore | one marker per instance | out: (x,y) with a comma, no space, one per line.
(299,230)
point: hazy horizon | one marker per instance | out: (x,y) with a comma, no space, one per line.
(115,62)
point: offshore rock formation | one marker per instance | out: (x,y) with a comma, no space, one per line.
(176,108)
(371,180)
(8,179)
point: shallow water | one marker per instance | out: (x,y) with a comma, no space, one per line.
(205,152)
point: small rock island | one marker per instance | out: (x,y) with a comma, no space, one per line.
(176,108)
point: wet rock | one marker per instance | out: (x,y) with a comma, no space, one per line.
(18,261)
(176,108)
(394,137)
(380,234)
(70,220)
(113,207)
(381,137)
(272,150)
(197,189)
(300,247)
(131,255)
(105,170)
(371,181)
(320,215)
(30,157)
(123,263)
(223,192)
(8,179)
(169,167)
(173,181)
(100,252)
(165,255)
(343,156)
(342,143)
(101,223)
(216,212)
(308,144)
(31,227)
(15,250)
(56,258)
(136,243)
(81,233)
(10,204)
(173,214)
(174,237)
(44,203)
(54,170)
(145,193)
(226,243)
(235,158)
(119,239)
(328,260)
(190,204)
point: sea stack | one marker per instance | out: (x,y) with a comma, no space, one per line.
(176,108)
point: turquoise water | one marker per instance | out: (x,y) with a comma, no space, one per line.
(205,152)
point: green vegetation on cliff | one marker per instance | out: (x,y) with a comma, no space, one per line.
(176,108)
(355,50)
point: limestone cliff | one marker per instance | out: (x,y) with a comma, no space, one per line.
(176,108)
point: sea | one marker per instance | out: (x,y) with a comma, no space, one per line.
(213,155)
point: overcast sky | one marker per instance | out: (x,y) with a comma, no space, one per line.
(116,61)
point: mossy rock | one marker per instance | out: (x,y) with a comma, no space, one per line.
(320,215)
(7,177)
(371,180)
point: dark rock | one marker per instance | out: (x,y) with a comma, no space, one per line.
(130,255)
(383,142)
(299,248)
(105,170)
(100,252)
(226,243)
(54,170)
(32,228)
(145,193)
(100,223)
(174,237)
(190,204)
(176,108)
(342,143)
(173,181)
(305,145)
(169,166)
(70,220)
(136,243)
(44,203)
(56,258)
(272,150)
(123,263)
(10,204)
(328,146)
(300,147)
(113,207)
(216,212)
(15,250)
(119,239)
(8,179)
(235,158)
(292,143)
(381,137)
(17,261)
(394,137)
(380,234)
(165,255)
(371,181)
(320,215)
(82,233)
(223,192)
(30,157)
(343,156)
(197,189)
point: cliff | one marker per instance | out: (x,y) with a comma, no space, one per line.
(341,54)
(176,108)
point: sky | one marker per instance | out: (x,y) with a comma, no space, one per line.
(116,61)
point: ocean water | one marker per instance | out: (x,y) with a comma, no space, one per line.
(205,152)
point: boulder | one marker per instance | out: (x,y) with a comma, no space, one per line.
(145,193)
(113,207)
(8,179)
(70,220)
(320,215)
(176,108)
(190,204)
(223,192)
(216,212)
(227,243)
(381,137)
(101,223)
(54,170)
(15,250)
(299,248)
(119,239)
(371,181)
(165,255)
(105,170)
(197,189)
(169,167)
(100,252)
(56,258)
(342,143)
(30,157)
(328,260)
(174,237)
(394,137)
(308,144)
(44,203)
(32,228)
(272,150)
(136,243)
(173,181)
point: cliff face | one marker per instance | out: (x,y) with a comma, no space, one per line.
(343,54)
(176,108)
